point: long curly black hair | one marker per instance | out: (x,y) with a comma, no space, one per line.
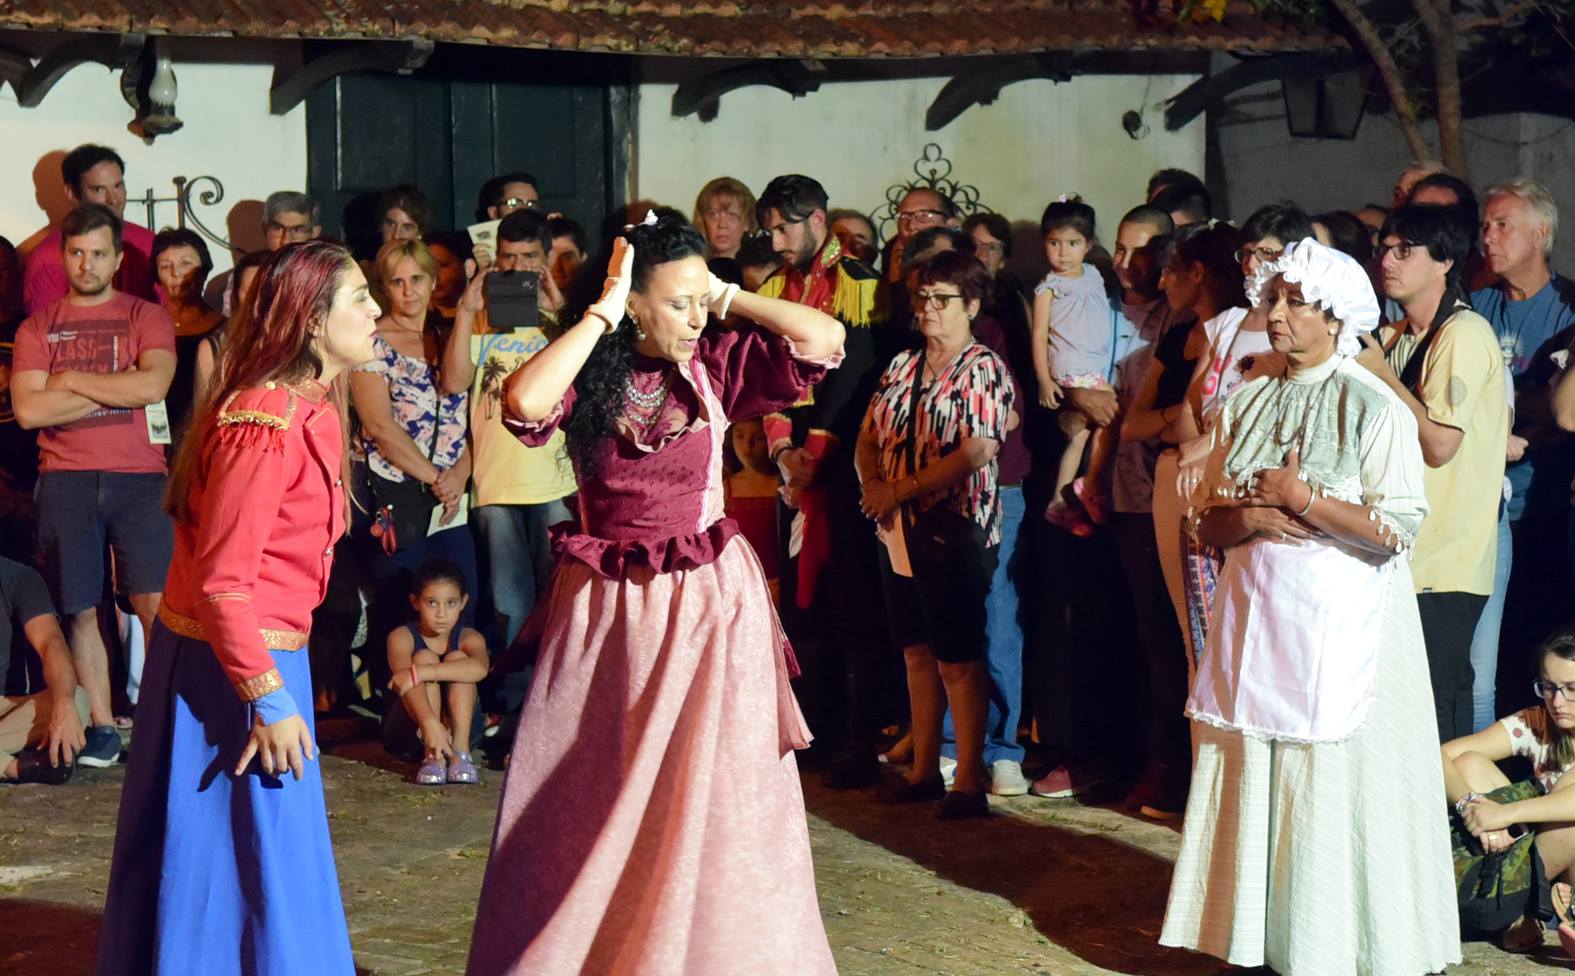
(602,385)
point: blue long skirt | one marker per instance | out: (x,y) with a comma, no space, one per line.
(215,873)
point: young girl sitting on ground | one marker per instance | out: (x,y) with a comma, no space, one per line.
(1478,789)
(436,666)
(1072,349)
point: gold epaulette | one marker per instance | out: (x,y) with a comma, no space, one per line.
(260,407)
(772,286)
(854,300)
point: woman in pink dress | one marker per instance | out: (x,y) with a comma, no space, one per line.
(651,820)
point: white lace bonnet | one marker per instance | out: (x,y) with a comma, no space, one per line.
(1331,278)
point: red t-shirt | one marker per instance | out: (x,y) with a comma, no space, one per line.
(105,338)
(45,283)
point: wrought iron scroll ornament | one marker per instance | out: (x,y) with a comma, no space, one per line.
(934,172)
(184,211)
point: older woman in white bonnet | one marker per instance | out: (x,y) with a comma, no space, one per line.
(1315,842)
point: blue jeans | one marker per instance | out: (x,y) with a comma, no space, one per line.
(1005,658)
(1484,641)
(519,557)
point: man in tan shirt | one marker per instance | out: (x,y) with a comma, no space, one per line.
(1443,361)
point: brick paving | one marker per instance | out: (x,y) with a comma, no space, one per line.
(1042,889)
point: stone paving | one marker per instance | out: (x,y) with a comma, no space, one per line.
(1042,889)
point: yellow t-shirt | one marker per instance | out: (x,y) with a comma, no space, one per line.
(1462,387)
(507,472)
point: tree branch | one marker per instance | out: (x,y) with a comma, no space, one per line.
(1440,28)
(1389,71)
(1466,25)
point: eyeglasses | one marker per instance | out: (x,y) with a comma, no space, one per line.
(520,203)
(295,232)
(915,216)
(1402,251)
(1261,253)
(993,247)
(936,300)
(1547,690)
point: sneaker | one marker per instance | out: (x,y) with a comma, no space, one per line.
(1160,794)
(1061,783)
(948,770)
(462,770)
(432,772)
(1007,779)
(103,747)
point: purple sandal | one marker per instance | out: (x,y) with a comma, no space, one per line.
(462,770)
(432,772)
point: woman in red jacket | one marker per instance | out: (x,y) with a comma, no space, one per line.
(223,863)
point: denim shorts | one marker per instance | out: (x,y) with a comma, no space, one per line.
(80,512)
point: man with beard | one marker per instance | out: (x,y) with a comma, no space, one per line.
(89,373)
(829,591)
(92,174)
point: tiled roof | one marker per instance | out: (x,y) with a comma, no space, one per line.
(719,28)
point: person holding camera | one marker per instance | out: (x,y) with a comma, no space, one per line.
(502,320)
(412,458)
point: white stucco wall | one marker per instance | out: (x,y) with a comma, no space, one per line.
(1036,141)
(1263,163)
(228,134)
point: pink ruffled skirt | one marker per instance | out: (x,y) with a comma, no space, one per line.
(652,821)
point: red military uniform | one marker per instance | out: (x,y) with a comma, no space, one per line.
(267,506)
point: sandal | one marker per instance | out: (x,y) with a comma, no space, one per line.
(1063,516)
(1093,503)
(462,770)
(432,772)
(1562,898)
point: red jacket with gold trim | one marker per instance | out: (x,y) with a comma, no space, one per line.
(267,505)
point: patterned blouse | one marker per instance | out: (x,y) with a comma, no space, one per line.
(413,393)
(971,398)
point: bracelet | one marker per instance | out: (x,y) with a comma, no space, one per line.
(1465,801)
(609,326)
(728,295)
(1312,496)
(415,679)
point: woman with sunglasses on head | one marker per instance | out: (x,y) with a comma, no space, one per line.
(1496,812)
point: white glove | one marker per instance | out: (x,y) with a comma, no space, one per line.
(719,296)
(615,290)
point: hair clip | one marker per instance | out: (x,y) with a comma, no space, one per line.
(649,221)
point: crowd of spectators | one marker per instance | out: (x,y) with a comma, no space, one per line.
(977,532)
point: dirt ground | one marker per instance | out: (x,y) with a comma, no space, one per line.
(1050,888)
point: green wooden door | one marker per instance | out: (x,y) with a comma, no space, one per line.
(468,115)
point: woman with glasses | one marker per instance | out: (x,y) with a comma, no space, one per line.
(927,461)
(1313,841)
(1496,812)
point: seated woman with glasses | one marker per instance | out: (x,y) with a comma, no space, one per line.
(1545,735)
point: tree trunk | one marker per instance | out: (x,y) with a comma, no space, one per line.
(1438,22)
(1389,71)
